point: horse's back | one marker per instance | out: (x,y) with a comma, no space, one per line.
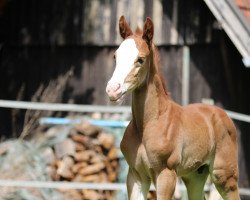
(214,117)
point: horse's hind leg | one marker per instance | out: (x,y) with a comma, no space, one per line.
(224,174)
(195,182)
(225,180)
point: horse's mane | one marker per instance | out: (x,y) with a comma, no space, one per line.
(156,58)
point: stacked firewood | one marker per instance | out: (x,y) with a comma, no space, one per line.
(88,154)
(84,153)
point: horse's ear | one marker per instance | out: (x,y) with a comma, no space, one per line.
(148,31)
(124,28)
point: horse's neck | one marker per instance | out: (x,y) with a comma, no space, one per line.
(150,100)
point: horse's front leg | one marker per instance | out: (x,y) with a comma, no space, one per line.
(165,184)
(137,186)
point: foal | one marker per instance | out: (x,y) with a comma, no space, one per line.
(165,140)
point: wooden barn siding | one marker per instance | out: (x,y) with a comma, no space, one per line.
(81,22)
(41,40)
(93,66)
(206,68)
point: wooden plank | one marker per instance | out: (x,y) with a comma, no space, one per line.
(95,22)
(137,19)
(171,60)
(157,19)
(174,31)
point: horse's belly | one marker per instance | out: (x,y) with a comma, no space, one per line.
(192,161)
(183,170)
(197,147)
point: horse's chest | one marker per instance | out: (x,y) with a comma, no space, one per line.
(138,159)
(135,155)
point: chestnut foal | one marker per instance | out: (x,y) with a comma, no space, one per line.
(165,140)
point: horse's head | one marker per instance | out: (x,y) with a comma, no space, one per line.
(132,60)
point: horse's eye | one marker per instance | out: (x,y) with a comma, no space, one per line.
(114,57)
(140,60)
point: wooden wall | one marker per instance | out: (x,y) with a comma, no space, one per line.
(95,22)
(42,40)
(45,38)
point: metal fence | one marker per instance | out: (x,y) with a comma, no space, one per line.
(87,109)
(90,108)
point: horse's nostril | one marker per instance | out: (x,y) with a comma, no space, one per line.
(118,85)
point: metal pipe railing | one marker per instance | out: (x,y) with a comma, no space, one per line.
(90,186)
(89,108)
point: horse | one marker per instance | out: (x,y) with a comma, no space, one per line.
(165,140)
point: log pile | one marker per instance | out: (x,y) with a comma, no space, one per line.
(84,153)
(88,154)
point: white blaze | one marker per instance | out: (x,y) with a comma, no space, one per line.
(126,55)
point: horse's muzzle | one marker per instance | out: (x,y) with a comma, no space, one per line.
(114,91)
